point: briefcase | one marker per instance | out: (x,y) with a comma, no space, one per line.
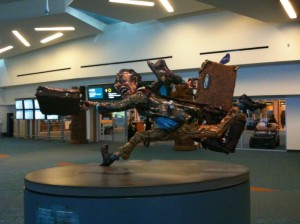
(58,101)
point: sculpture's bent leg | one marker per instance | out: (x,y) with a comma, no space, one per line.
(218,130)
(234,133)
(210,135)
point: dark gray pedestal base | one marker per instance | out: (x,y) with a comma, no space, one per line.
(139,192)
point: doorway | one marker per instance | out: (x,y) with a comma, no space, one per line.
(113,127)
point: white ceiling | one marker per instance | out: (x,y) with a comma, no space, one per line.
(90,17)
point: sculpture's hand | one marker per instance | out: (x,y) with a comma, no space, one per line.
(87,105)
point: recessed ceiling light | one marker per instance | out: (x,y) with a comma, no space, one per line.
(167,5)
(63,28)
(21,38)
(132,2)
(289,8)
(52,37)
(5,49)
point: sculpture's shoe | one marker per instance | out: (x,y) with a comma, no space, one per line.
(108,158)
(163,73)
(215,145)
(245,102)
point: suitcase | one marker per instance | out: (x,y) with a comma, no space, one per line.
(216,84)
(58,101)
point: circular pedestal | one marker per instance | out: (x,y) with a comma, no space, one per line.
(175,191)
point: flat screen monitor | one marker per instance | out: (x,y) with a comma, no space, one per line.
(38,115)
(36,104)
(19,104)
(95,93)
(103,92)
(28,114)
(28,103)
(110,93)
(19,115)
(52,117)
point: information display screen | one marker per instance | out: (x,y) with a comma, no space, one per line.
(111,93)
(95,93)
(107,92)
(103,92)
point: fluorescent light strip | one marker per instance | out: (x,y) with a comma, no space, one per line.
(66,28)
(6,49)
(167,5)
(21,38)
(50,38)
(132,2)
(289,8)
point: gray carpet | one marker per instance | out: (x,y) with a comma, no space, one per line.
(275,176)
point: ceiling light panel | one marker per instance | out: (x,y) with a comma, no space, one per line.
(52,37)
(65,28)
(289,9)
(5,49)
(167,5)
(132,2)
(21,38)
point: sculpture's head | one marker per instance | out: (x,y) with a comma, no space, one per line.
(127,82)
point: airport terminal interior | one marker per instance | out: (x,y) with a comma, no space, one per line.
(116,125)
(51,164)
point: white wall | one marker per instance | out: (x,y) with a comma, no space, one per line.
(293,122)
(270,79)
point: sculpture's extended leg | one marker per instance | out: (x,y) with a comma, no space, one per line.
(140,136)
(211,135)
